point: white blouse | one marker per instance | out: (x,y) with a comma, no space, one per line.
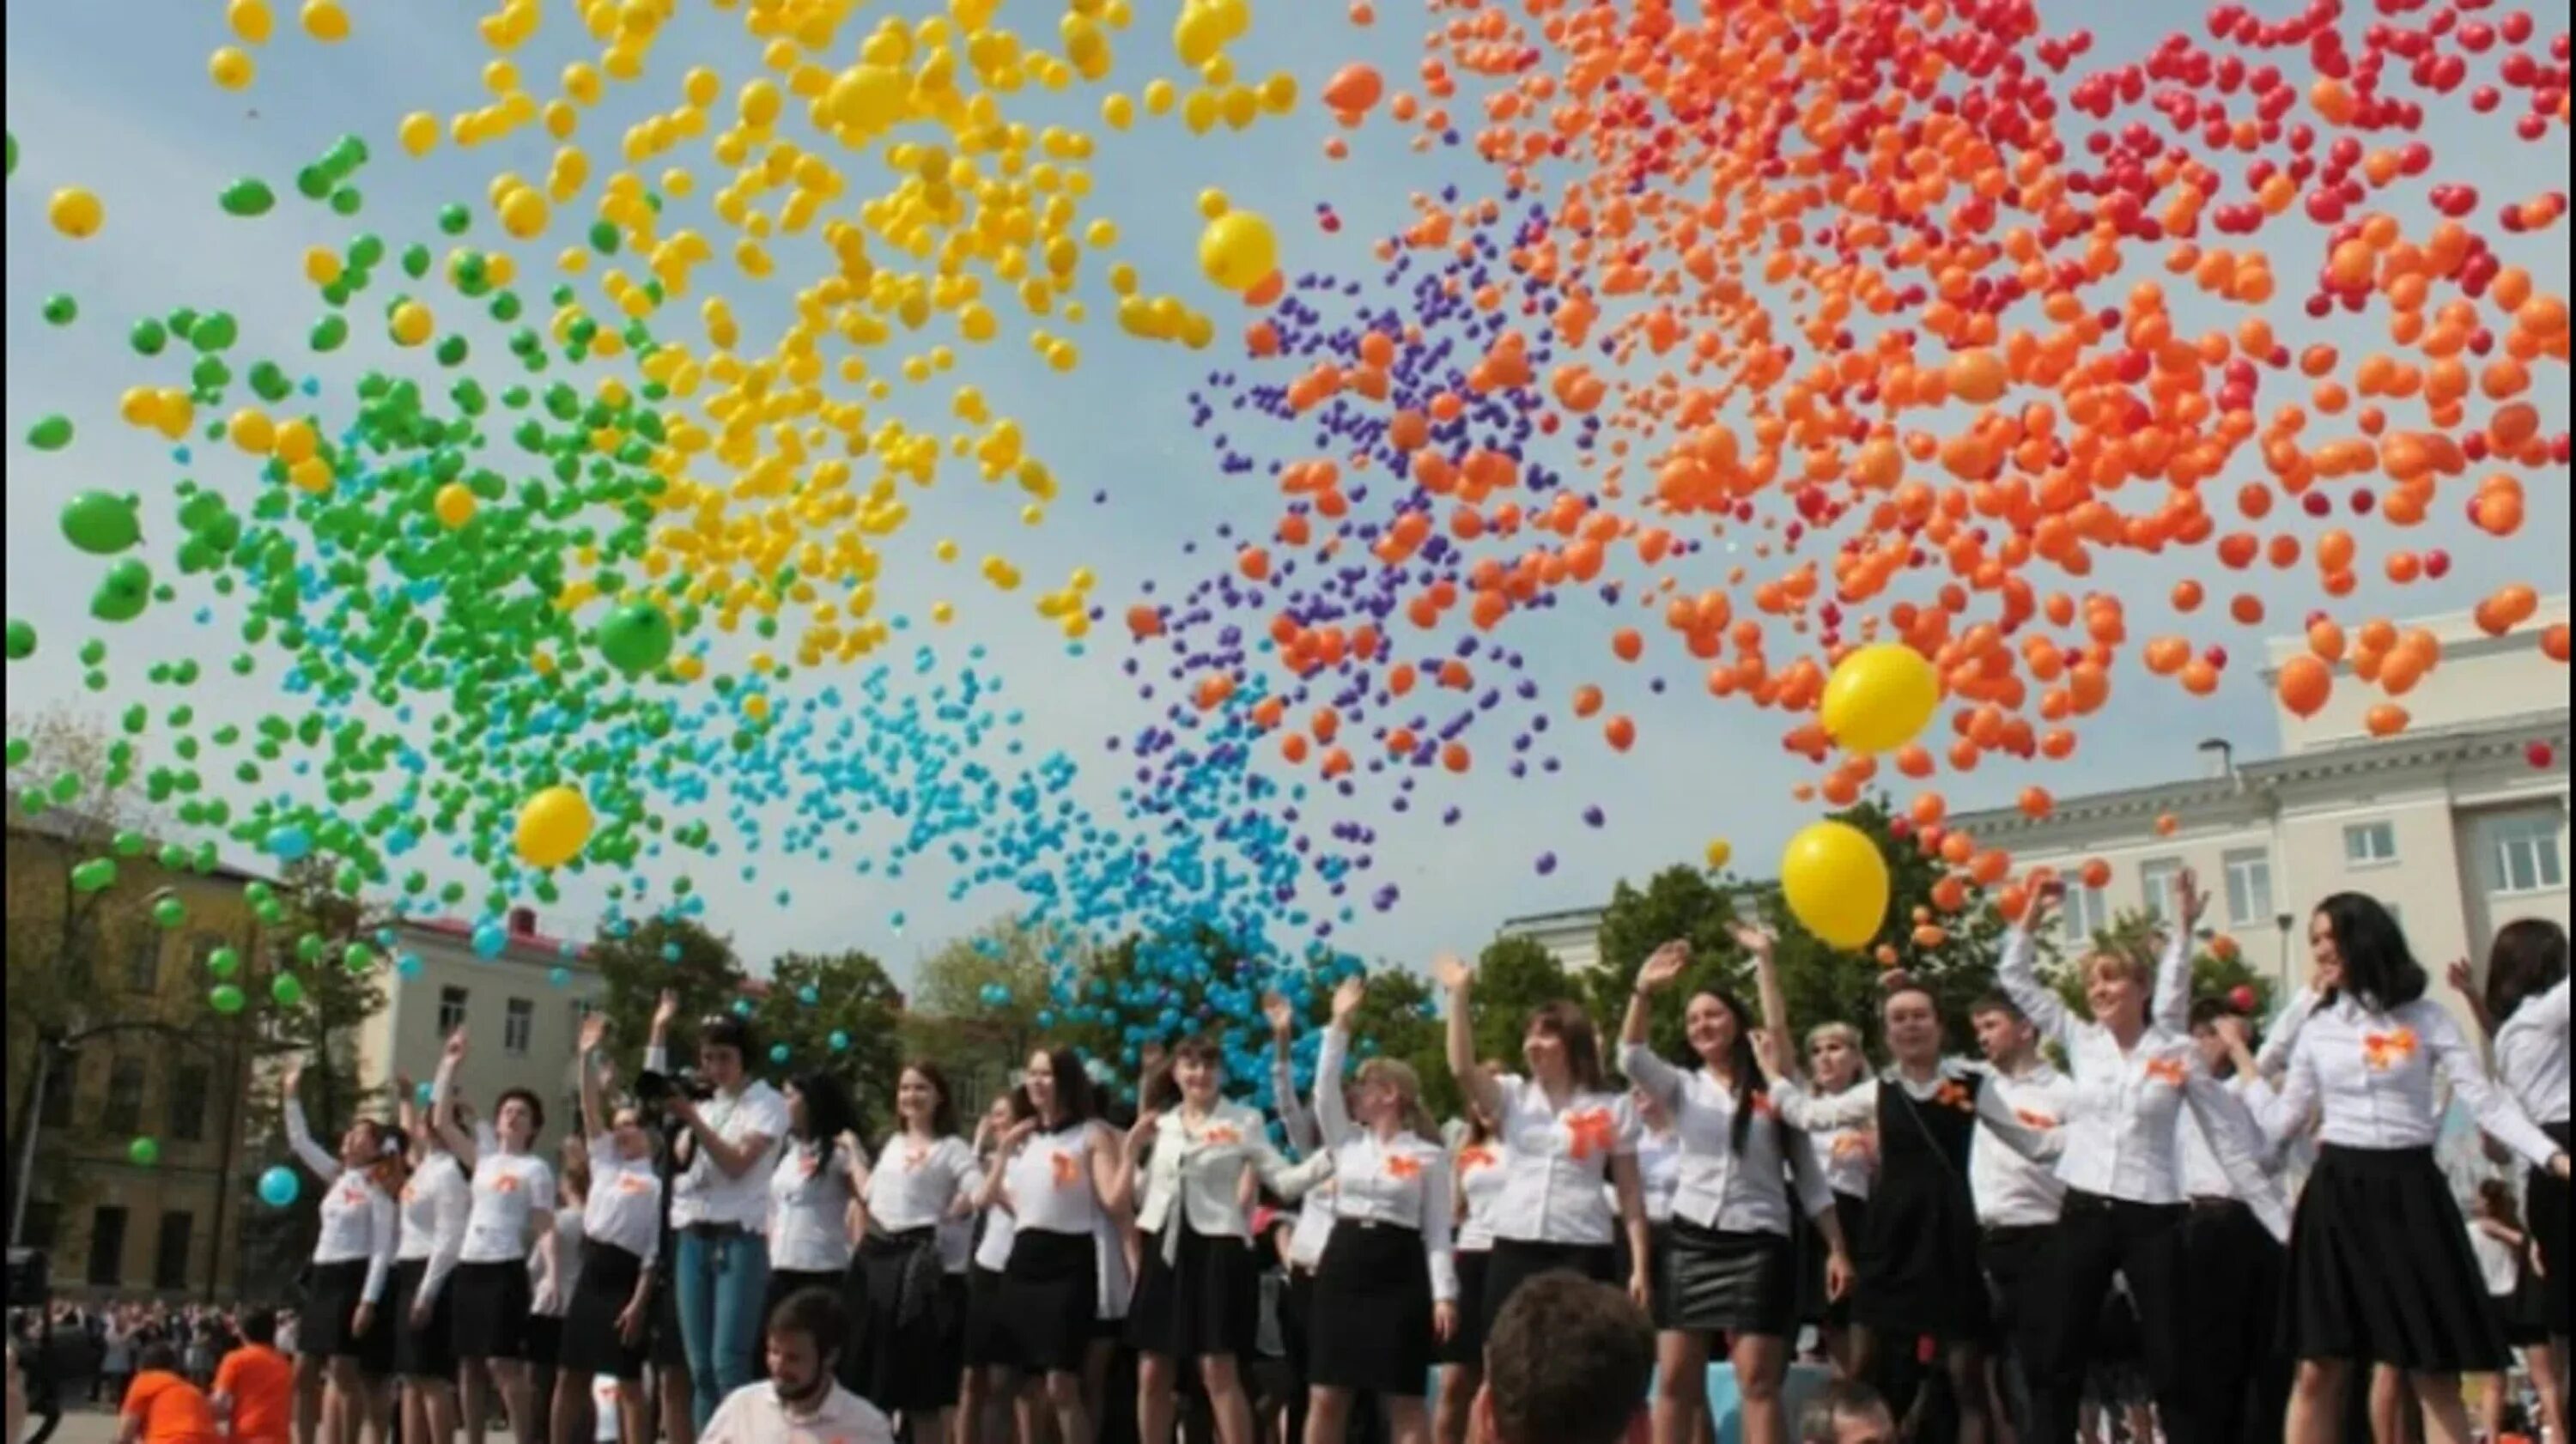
(435,1201)
(1557,1162)
(624,1209)
(2012,1191)
(703,1193)
(360,1221)
(916,1185)
(508,1189)
(809,1210)
(1479,1167)
(2204,1177)
(2372,1075)
(2531,1055)
(1850,1159)
(1050,1181)
(1712,1185)
(1314,1230)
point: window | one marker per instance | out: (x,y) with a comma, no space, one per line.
(2162,880)
(188,1090)
(2370,844)
(143,964)
(2526,857)
(107,1248)
(123,1115)
(2088,911)
(170,1252)
(2249,888)
(518,1027)
(451,1010)
(44,1219)
(62,1080)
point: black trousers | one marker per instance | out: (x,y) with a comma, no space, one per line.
(2097,1238)
(2232,1354)
(2014,1259)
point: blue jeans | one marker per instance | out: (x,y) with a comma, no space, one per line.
(721,1282)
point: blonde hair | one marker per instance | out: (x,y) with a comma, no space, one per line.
(1843,1033)
(2121,963)
(1399,1075)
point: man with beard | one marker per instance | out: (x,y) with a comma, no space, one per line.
(800,1399)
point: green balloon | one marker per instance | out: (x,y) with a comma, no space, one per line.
(149,337)
(122,593)
(53,433)
(287,990)
(308,949)
(22,639)
(101,524)
(61,310)
(249,196)
(169,912)
(636,638)
(223,962)
(143,1152)
(96,875)
(226,999)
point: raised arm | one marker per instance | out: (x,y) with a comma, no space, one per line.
(1473,1081)
(1661,1080)
(594,1117)
(2464,981)
(299,1136)
(2498,1114)
(1332,1113)
(1300,1124)
(2034,1144)
(442,1104)
(446,1249)
(1851,1108)
(407,1114)
(1762,947)
(1131,1159)
(2172,997)
(2019,972)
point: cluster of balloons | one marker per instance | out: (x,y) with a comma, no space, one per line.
(1829,354)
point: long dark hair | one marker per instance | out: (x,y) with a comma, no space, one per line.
(1569,1025)
(2378,967)
(829,1113)
(1750,1082)
(943,1114)
(1076,1101)
(2527,959)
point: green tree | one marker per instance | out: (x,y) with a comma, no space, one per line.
(1683,903)
(836,1012)
(981,1003)
(1515,977)
(639,962)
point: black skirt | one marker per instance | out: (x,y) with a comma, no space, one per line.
(1466,1345)
(1816,1303)
(1371,1327)
(1051,1300)
(328,1328)
(1514,1263)
(491,1309)
(2381,1270)
(1206,1303)
(907,1345)
(1710,1282)
(427,1352)
(987,1341)
(592,1344)
(1917,1257)
(2545,1202)
(543,1343)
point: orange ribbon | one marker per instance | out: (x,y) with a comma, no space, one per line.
(1067,1172)
(1400,1166)
(1590,1132)
(1763,1106)
(1953,1095)
(1471,1159)
(2031,1118)
(629,1183)
(914,1157)
(1850,1145)
(2166,1070)
(1219,1136)
(506,1183)
(2383,1051)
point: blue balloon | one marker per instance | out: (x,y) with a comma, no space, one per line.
(278,1186)
(408,965)
(420,1095)
(809,995)
(289,844)
(559,977)
(840,1041)
(490,938)
(779,1053)
(670,952)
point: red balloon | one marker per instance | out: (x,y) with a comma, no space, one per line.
(2242,999)
(2541,755)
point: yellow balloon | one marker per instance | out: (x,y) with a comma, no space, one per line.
(1720,853)
(553,827)
(1238,251)
(1836,884)
(76,213)
(455,505)
(1880,698)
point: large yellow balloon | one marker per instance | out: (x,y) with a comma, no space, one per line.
(1880,698)
(553,827)
(1238,251)
(1836,884)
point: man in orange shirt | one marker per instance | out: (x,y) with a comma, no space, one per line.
(255,1384)
(162,1407)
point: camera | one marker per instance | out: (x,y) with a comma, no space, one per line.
(654,1090)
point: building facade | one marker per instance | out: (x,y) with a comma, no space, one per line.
(2458,824)
(522,1010)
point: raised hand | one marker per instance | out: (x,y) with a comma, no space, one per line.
(2462,977)
(666,1009)
(594,1032)
(1664,968)
(1770,1054)
(2193,902)
(1346,1001)
(1754,938)
(1451,974)
(294,1075)
(454,1052)
(2045,898)
(1282,1015)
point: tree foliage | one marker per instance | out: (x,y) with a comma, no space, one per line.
(835,1013)
(639,962)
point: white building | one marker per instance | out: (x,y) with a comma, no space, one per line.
(1572,937)
(2455,823)
(522,1012)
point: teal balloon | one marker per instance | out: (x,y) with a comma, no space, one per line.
(123,593)
(636,638)
(100,524)
(226,999)
(278,1186)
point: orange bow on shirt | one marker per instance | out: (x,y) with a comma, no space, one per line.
(1219,1136)
(1400,1166)
(1851,1145)
(1471,1159)
(2167,1070)
(506,1183)
(2031,1118)
(2383,1051)
(1763,1107)
(914,1157)
(1590,1132)
(1067,1171)
(1953,1095)
(630,1183)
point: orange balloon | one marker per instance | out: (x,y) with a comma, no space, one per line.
(2305,684)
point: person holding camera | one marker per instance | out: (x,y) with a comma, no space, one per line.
(720,1198)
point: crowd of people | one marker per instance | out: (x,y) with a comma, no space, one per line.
(2134,1218)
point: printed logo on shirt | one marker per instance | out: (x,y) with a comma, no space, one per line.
(506,1183)
(1590,1131)
(2033,1118)
(2383,1051)
(630,1184)
(1067,1169)
(1851,1145)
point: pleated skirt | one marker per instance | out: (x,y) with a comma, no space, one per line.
(2381,1270)
(1371,1327)
(429,1351)
(1205,1303)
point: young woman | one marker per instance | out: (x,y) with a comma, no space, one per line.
(1310,1226)
(435,1201)
(1198,1292)
(513,1202)
(2380,1265)
(2526,1005)
(1062,1179)
(814,1197)
(1387,1293)
(2235,1261)
(553,1275)
(907,1354)
(2124,1210)
(1916,1265)
(612,1304)
(347,1346)
(1478,1170)
(989,1384)
(720,1202)
(1567,1133)
(1730,1267)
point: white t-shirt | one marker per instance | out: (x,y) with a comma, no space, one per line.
(994,1254)
(753,1415)
(916,1183)
(703,1194)
(625,1204)
(1050,1182)
(809,1211)
(508,1187)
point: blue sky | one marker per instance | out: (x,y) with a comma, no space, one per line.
(96,99)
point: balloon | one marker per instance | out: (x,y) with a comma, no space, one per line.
(840,1041)
(226,999)
(553,826)
(123,593)
(2305,684)
(143,1152)
(22,639)
(278,1186)
(1836,884)
(1720,853)
(100,524)
(1239,251)
(288,844)
(490,940)
(287,989)
(454,505)
(637,638)
(2242,999)
(223,962)
(1879,699)
(76,213)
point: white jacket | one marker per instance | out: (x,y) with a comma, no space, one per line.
(1203,1166)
